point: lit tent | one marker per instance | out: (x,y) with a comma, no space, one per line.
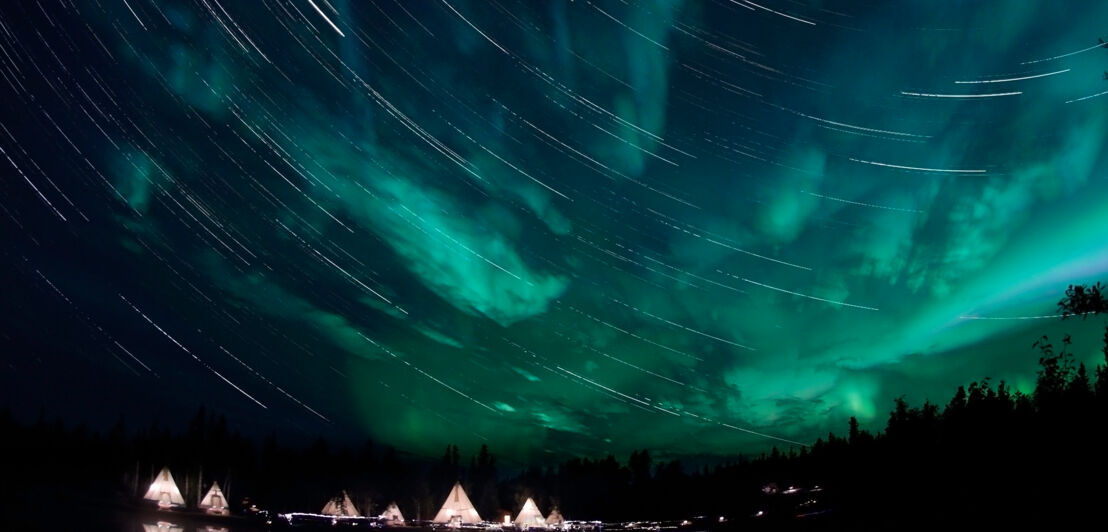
(164,490)
(392,515)
(457,509)
(555,518)
(530,516)
(214,502)
(340,506)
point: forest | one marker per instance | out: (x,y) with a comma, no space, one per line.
(990,454)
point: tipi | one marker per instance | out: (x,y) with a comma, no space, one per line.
(340,506)
(164,490)
(529,516)
(214,502)
(555,518)
(392,515)
(457,509)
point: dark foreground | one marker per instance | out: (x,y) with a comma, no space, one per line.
(85,517)
(100,518)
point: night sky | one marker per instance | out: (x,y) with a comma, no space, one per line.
(556,228)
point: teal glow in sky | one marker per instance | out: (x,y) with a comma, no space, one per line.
(556,228)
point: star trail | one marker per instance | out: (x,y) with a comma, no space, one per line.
(552,227)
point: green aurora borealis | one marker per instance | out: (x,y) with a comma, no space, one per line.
(556,228)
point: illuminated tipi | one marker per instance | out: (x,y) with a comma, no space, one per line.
(340,506)
(164,490)
(392,515)
(214,502)
(555,518)
(457,509)
(530,516)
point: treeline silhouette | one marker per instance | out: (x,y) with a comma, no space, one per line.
(990,455)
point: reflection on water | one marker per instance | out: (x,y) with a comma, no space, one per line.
(167,526)
(148,525)
(106,520)
(162,526)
